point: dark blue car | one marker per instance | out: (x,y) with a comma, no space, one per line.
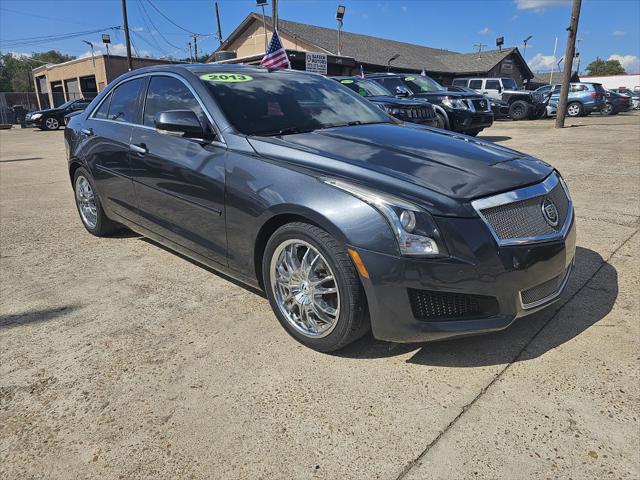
(347,219)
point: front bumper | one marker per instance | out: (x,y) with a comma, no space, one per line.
(477,267)
(464,120)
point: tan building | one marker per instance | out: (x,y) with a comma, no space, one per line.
(82,77)
(374,54)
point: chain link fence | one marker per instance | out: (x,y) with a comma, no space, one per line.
(15,105)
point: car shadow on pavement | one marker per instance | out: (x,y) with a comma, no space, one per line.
(551,327)
(35,316)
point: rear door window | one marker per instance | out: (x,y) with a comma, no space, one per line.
(475,84)
(492,85)
(124,101)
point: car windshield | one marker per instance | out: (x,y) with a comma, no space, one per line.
(509,84)
(283,102)
(423,84)
(66,104)
(365,88)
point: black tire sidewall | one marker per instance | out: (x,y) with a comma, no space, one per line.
(524,113)
(103,224)
(336,339)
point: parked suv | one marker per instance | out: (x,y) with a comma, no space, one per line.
(408,110)
(520,104)
(457,111)
(53,118)
(583,98)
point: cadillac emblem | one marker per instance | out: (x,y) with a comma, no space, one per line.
(550,212)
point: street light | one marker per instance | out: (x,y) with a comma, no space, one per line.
(93,59)
(391,60)
(339,19)
(525,41)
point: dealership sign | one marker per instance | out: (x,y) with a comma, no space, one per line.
(316,63)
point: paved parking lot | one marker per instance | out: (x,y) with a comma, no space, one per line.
(119,359)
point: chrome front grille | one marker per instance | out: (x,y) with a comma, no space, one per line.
(519,216)
(544,292)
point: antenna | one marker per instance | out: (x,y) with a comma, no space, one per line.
(479,45)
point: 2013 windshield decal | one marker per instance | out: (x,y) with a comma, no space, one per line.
(226,77)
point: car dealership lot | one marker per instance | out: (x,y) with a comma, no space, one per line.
(121,359)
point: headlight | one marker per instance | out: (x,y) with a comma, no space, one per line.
(36,116)
(455,103)
(414,228)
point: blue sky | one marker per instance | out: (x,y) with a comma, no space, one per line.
(607,27)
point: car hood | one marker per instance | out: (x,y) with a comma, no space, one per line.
(446,93)
(443,169)
(48,110)
(399,102)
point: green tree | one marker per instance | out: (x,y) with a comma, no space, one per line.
(605,67)
(15,70)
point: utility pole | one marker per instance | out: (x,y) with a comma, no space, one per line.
(568,64)
(195,46)
(126,34)
(274,14)
(190,53)
(218,21)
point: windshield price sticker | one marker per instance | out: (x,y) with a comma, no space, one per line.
(226,77)
(408,79)
(346,81)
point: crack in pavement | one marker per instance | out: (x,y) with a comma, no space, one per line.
(499,375)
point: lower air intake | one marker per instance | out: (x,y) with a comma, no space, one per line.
(430,305)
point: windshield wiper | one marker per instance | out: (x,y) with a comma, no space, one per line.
(351,124)
(287,131)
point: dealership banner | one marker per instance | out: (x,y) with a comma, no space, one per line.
(316,62)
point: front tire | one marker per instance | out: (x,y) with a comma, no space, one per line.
(313,287)
(519,110)
(574,109)
(88,204)
(51,123)
(608,109)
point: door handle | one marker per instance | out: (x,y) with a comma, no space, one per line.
(87,131)
(139,149)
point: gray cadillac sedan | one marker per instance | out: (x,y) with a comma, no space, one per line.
(347,218)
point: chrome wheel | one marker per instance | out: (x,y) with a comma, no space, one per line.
(51,123)
(305,288)
(86,202)
(573,110)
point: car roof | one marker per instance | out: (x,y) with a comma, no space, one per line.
(200,68)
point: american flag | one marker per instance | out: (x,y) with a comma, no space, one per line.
(276,56)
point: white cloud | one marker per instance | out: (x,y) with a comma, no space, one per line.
(618,33)
(538,5)
(484,31)
(404,9)
(541,63)
(630,63)
(115,49)
(137,29)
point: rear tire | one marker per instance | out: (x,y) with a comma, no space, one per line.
(88,204)
(574,109)
(297,258)
(519,110)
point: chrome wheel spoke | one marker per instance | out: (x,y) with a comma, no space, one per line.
(304,288)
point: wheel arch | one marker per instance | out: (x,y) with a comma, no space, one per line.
(282,217)
(442,111)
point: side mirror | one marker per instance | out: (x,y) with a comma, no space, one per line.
(402,91)
(181,123)
(499,88)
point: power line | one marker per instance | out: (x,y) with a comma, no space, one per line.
(146,24)
(26,41)
(141,4)
(169,20)
(44,17)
